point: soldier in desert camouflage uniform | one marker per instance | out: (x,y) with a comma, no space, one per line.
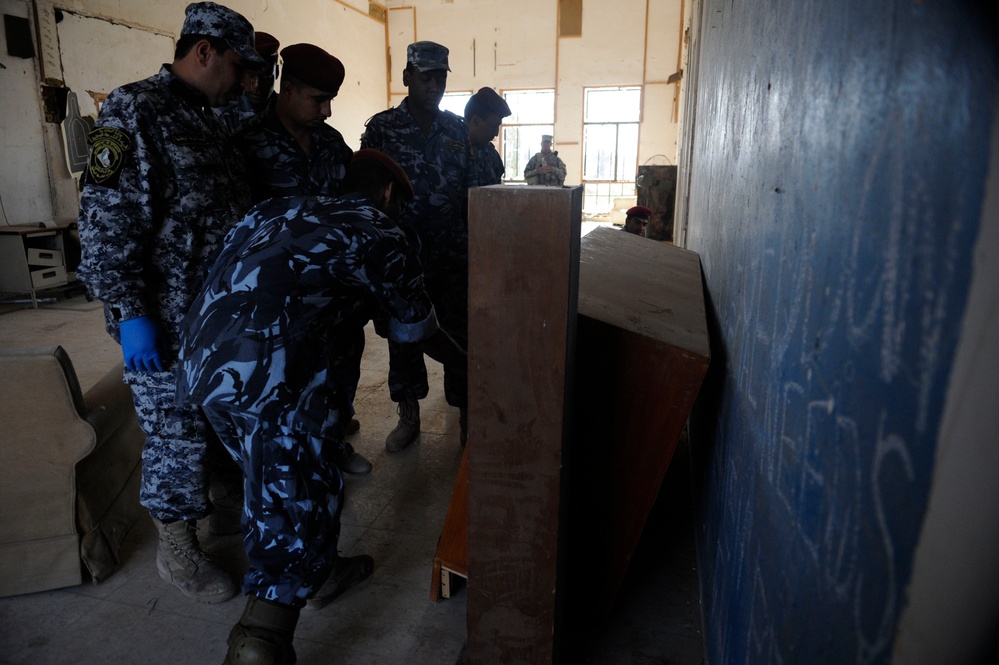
(163,187)
(432,147)
(290,150)
(484,113)
(545,167)
(265,349)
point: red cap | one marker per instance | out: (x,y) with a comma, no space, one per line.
(639,211)
(398,175)
(314,67)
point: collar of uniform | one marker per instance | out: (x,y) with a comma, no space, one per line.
(184,91)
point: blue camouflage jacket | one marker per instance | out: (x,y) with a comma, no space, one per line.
(488,165)
(439,168)
(163,186)
(278,166)
(278,328)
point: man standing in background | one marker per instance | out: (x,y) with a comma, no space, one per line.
(162,188)
(484,113)
(290,150)
(432,146)
(545,168)
(258,84)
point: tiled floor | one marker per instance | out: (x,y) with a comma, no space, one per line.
(394,514)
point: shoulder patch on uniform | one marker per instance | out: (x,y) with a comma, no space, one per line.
(457,146)
(109,148)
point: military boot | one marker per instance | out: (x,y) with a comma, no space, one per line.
(263,635)
(348,572)
(407,429)
(227,500)
(182,563)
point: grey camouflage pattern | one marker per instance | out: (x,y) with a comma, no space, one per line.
(488,165)
(440,170)
(427,56)
(148,242)
(214,20)
(278,166)
(149,232)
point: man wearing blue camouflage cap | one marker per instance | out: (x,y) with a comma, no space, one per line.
(432,146)
(162,188)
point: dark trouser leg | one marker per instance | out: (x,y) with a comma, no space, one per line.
(294,495)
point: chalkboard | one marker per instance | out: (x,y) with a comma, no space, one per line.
(835,192)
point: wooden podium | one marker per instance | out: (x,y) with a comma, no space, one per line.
(584,360)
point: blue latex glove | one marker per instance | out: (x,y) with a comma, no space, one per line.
(140,344)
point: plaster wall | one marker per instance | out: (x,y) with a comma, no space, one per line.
(516,45)
(112,42)
(24,184)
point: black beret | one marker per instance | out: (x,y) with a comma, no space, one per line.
(314,67)
(265,44)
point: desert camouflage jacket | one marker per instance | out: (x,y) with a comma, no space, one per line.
(278,328)
(163,186)
(554,178)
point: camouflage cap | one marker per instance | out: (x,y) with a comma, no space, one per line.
(212,20)
(427,56)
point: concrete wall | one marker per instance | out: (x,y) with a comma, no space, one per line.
(101,44)
(838,193)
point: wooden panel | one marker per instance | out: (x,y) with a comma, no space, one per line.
(452,546)
(642,354)
(524,263)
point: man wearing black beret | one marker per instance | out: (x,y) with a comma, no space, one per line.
(290,150)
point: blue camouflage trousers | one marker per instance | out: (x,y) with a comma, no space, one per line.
(181,453)
(291,513)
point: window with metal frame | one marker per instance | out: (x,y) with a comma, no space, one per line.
(610,146)
(533,115)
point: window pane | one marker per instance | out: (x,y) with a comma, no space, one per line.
(519,145)
(612,105)
(600,143)
(530,107)
(627,152)
(455,102)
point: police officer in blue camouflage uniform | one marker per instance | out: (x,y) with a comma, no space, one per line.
(484,112)
(265,346)
(290,150)
(162,188)
(258,85)
(432,147)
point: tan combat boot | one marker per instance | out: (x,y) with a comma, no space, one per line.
(182,563)
(408,428)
